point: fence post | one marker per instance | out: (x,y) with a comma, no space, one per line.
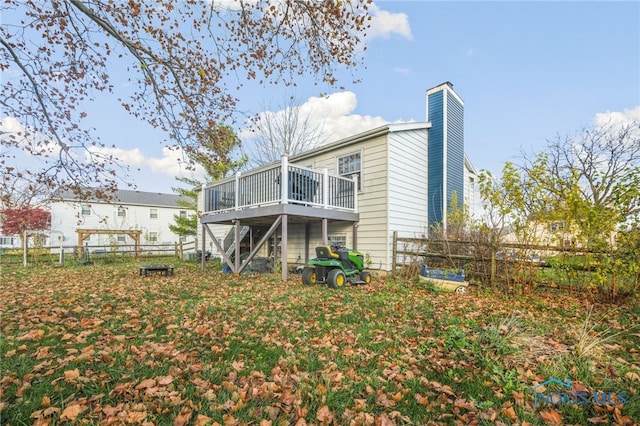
(395,253)
(493,265)
(25,247)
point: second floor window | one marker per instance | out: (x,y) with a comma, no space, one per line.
(122,212)
(183,214)
(86,210)
(351,165)
(153,213)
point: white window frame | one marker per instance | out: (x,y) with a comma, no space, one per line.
(153,213)
(153,237)
(351,173)
(85,210)
(122,212)
(337,238)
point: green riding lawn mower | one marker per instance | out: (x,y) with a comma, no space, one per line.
(336,265)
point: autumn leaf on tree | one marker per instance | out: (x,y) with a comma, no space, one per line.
(185,73)
(24,220)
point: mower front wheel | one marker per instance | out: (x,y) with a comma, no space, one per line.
(308,276)
(336,278)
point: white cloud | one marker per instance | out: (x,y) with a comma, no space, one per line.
(333,114)
(170,164)
(129,157)
(339,122)
(173,163)
(401,70)
(23,138)
(10,125)
(385,24)
(617,118)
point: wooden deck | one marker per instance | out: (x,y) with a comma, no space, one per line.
(280,184)
(274,196)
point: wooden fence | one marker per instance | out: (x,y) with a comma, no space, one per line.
(86,253)
(484,262)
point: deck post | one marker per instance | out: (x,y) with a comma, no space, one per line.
(307,239)
(237,191)
(325,236)
(325,187)
(237,248)
(283,247)
(355,193)
(204,247)
(284,173)
(355,235)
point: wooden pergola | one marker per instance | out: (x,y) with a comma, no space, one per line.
(83,234)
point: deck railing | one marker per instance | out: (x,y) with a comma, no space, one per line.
(271,185)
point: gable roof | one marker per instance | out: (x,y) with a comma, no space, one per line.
(369,134)
(129,197)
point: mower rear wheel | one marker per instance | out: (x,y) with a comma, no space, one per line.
(366,277)
(308,276)
(336,278)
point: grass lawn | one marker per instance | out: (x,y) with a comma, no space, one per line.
(101,345)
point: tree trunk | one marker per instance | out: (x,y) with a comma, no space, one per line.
(25,244)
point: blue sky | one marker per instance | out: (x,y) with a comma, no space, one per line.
(527,71)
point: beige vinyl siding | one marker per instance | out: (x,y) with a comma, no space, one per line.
(372,199)
(295,234)
(372,203)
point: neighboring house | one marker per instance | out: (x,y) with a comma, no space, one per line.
(129,218)
(553,234)
(9,242)
(398,177)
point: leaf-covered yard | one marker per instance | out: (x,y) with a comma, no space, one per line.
(102,345)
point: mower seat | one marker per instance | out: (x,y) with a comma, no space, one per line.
(325,252)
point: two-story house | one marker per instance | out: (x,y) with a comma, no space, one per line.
(129,219)
(359,190)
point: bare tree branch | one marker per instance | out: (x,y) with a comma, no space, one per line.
(185,59)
